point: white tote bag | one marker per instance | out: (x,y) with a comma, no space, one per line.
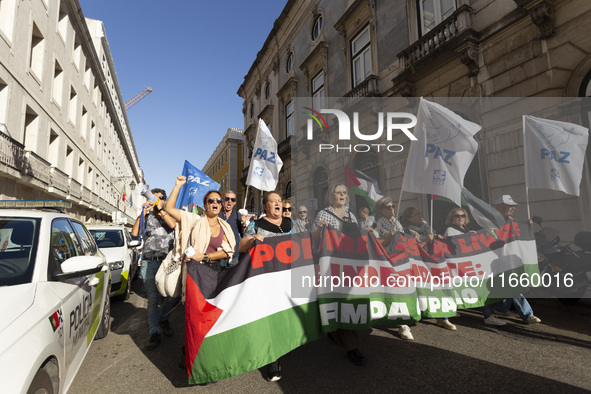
(168,277)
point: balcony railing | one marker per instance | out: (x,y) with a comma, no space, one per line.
(367,88)
(58,179)
(434,40)
(75,187)
(86,195)
(37,167)
(12,152)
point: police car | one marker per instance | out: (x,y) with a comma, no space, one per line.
(116,244)
(54,287)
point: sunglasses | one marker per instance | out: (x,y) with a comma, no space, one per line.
(229,199)
(212,200)
(162,198)
(300,212)
(286,209)
(389,206)
(460,216)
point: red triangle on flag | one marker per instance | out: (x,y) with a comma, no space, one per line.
(350,179)
(200,317)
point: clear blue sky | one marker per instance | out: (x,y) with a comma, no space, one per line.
(194,55)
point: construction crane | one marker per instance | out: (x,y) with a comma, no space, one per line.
(141,95)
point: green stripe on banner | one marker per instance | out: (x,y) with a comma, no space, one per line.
(256,344)
(364,311)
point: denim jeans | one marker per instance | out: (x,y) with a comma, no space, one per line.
(521,306)
(148,273)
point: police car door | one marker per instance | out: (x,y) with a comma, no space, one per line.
(78,298)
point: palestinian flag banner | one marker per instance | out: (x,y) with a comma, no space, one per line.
(362,285)
(363,185)
(246,317)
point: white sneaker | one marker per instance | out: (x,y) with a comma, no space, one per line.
(446,324)
(405,333)
(533,320)
(492,320)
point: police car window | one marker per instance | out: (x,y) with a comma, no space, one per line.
(108,238)
(18,248)
(127,236)
(64,243)
(88,245)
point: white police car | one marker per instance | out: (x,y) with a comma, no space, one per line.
(54,287)
(116,244)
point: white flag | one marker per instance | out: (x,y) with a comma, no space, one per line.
(554,154)
(265,163)
(438,161)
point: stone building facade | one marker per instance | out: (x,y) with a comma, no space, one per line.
(64,132)
(471,49)
(226,163)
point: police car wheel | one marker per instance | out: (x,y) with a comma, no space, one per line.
(41,383)
(127,293)
(105,323)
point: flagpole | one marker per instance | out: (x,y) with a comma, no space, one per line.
(525,168)
(527,202)
(431,218)
(245,197)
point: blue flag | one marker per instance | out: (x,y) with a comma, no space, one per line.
(197,185)
(131,200)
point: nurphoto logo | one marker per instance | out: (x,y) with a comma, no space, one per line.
(394,122)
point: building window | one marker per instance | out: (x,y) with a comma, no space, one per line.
(73,105)
(318,91)
(361,56)
(7,18)
(31,133)
(316,27)
(289,63)
(58,84)
(37,50)
(433,12)
(289,119)
(3,102)
(251,110)
(267,90)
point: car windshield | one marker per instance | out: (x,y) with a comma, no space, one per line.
(18,248)
(108,238)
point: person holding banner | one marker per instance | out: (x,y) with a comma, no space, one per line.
(413,223)
(212,239)
(457,220)
(387,225)
(273,224)
(338,216)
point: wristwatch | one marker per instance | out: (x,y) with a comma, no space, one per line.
(206,258)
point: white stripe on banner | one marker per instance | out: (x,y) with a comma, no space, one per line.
(513,255)
(257,298)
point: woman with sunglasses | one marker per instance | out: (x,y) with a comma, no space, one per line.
(210,236)
(387,226)
(287,209)
(457,220)
(386,223)
(337,216)
(301,223)
(273,224)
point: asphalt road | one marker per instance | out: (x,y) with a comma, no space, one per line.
(554,356)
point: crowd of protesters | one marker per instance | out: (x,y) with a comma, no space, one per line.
(220,235)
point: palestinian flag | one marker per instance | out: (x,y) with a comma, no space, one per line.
(363,185)
(246,317)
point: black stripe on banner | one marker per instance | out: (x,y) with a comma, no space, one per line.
(273,255)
